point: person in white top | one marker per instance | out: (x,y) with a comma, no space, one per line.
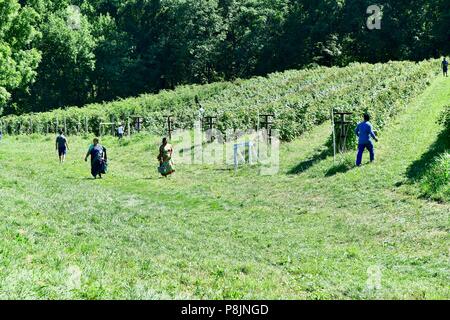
(120,131)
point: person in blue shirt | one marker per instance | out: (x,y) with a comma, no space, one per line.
(364,131)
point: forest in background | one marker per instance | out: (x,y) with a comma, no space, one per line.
(69,53)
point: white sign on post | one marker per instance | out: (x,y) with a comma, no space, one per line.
(239,153)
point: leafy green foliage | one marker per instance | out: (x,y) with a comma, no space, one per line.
(18,62)
(210,233)
(68,59)
(126,48)
(299,99)
(436,181)
(445,120)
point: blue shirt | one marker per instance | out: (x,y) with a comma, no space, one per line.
(364,131)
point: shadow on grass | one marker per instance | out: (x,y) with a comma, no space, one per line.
(419,168)
(185,150)
(305,165)
(339,168)
(192,148)
(224,169)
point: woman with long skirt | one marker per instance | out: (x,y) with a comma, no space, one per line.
(166,166)
(98,159)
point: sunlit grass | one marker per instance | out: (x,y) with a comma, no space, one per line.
(310,232)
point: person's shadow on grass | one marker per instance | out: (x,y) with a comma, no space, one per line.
(305,165)
(339,168)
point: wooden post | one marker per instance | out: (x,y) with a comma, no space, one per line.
(343,130)
(235,157)
(169,126)
(136,122)
(334,135)
(267,124)
(113,126)
(209,123)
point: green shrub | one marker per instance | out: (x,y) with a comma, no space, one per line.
(436,183)
(300,100)
(444,120)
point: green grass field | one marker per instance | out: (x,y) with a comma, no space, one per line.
(314,231)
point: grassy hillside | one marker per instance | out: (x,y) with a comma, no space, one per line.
(313,231)
(299,99)
(433,169)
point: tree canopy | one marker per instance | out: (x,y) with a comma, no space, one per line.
(57,53)
(18,59)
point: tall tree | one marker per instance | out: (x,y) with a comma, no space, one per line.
(120,48)
(113,60)
(68,60)
(253,30)
(441,27)
(18,62)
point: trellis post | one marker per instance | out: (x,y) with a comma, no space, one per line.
(170,126)
(209,123)
(113,126)
(266,121)
(334,135)
(344,126)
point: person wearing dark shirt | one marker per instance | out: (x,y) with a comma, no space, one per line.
(61,146)
(98,159)
(364,131)
(445,67)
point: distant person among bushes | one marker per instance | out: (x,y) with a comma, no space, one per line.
(364,131)
(120,131)
(99,159)
(166,166)
(61,146)
(445,67)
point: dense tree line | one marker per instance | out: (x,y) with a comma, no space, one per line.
(57,53)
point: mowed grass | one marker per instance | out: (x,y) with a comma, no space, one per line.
(314,231)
